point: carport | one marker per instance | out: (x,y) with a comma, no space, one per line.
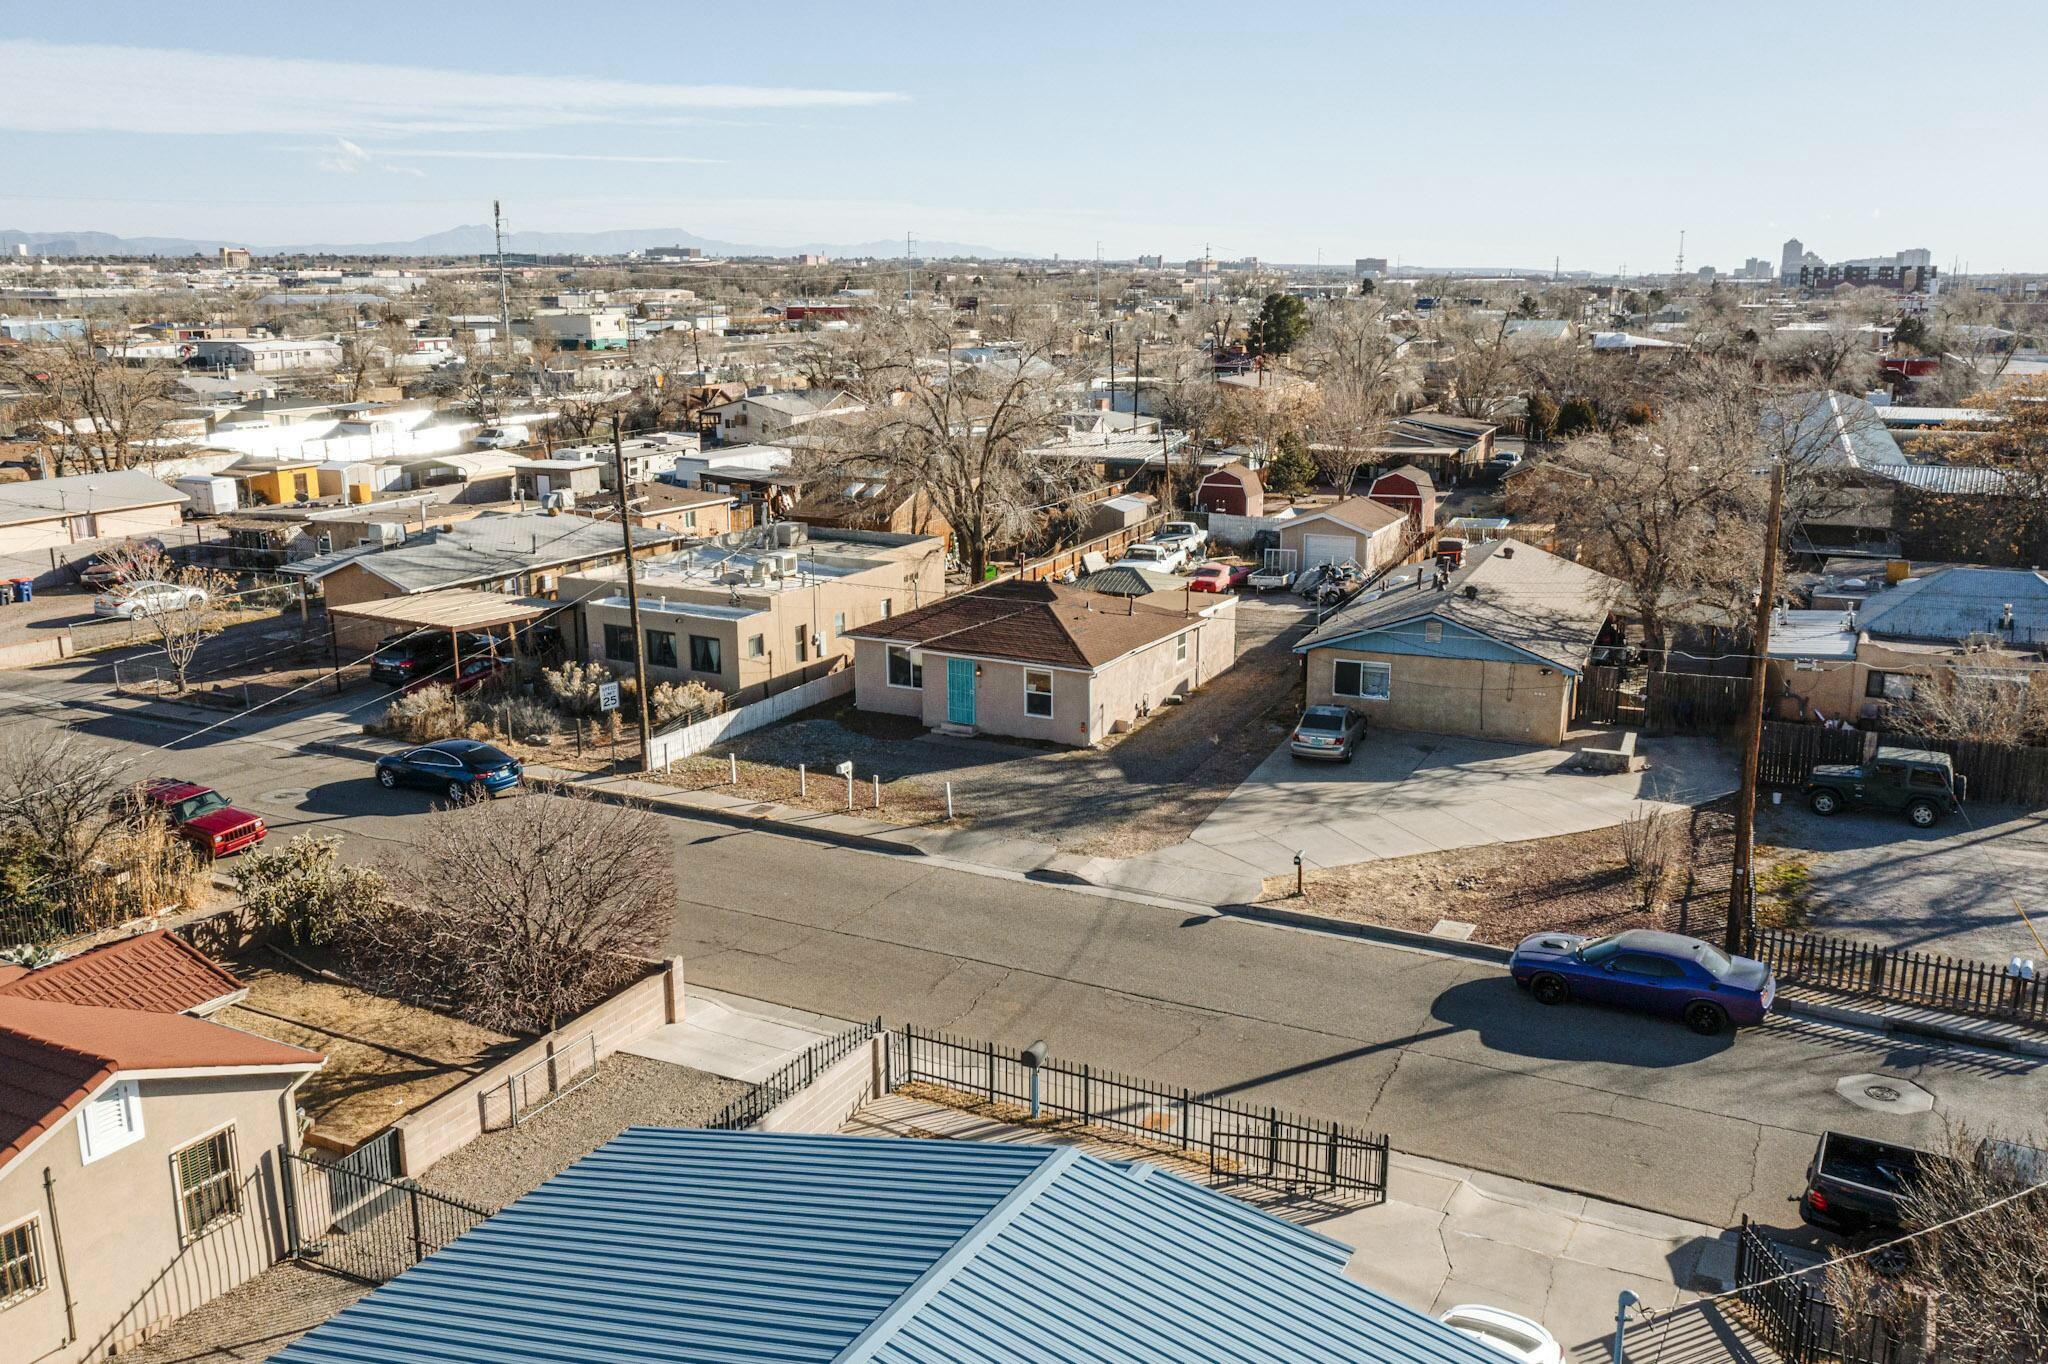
(456,610)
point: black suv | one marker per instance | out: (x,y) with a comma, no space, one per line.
(403,659)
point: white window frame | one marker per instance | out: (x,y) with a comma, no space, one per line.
(39,1279)
(757,646)
(127,1094)
(888,607)
(916,682)
(1180,648)
(1366,670)
(1050,692)
(838,624)
(232,1175)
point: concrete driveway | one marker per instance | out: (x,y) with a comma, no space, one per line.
(1949,889)
(1407,793)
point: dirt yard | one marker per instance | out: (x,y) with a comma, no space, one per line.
(384,1059)
(1578,883)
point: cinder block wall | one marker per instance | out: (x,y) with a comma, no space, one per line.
(831,1099)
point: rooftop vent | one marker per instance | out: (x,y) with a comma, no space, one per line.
(1471,592)
(1507,551)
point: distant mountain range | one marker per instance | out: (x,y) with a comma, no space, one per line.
(475,239)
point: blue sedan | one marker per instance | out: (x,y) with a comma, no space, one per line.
(465,769)
(1651,972)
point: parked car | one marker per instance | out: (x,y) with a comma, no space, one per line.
(1186,534)
(201,815)
(1157,557)
(1515,1336)
(1648,971)
(1855,1185)
(133,601)
(1219,577)
(415,659)
(1328,732)
(1921,783)
(98,570)
(463,769)
(476,671)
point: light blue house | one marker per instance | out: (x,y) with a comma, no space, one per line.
(685,1245)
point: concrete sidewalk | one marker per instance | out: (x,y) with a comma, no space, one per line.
(739,1039)
(1445,1235)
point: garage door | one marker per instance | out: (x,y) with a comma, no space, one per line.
(1327,549)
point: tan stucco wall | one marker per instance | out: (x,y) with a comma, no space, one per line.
(119,1218)
(1836,688)
(32,536)
(871,689)
(999,702)
(1509,701)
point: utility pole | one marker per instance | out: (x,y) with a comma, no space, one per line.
(1740,878)
(504,290)
(632,588)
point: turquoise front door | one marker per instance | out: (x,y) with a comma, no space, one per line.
(960,691)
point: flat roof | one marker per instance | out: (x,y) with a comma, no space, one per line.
(451,608)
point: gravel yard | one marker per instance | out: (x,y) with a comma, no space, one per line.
(284,1302)
(1142,791)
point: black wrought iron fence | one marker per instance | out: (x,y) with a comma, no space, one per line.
(1234,1141)
(356,1218)
(795,1076)
(1791,1311)
(1900,976)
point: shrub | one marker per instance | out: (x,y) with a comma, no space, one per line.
(305,890)
(522,717)
(573,686)
(426,715)
(672,701)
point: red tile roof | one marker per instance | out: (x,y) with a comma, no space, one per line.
(54,1055)
(1035,622)
(156,972)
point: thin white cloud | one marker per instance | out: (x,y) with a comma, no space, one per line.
(308,95)
(460,154)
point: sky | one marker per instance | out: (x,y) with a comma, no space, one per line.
(1447,132)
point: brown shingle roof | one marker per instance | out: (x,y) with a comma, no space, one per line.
(155,972)
(1037,622)
(1359,513)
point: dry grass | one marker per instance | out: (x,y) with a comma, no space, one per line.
(384,1059)
(906,800)
(1579,883)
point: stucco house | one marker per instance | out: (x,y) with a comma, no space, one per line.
(1494,649)
(57,513)
(1358,530)
(1039,660)
(139,1146)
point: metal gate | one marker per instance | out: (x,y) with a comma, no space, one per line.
(1794,1316)
(366,1226)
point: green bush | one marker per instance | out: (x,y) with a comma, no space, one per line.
(305,891)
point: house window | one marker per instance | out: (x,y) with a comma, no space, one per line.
(803,645)
(705,655)
(207,1190)
(110,1122)
(888,607)
(618,643)
(903,672)
(21,1263)
(661,649)
(838,624)
(1180,648)
(689,520)
(1038,693)
(1365,681)
(1889,686)
(757,646)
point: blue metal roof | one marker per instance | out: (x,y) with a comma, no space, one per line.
(679,1245)
(1956,603)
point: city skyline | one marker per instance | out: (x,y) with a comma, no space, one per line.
(1036,135)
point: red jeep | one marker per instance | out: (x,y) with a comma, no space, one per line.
(202,816)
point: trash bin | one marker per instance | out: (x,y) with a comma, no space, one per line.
(24,589)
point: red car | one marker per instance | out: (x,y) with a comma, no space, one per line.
(202,816)
(1219,577)
(474,673)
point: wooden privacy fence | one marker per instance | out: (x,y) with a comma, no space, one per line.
(1109,546)
(1993,774)
(1897,976)
(1693,703)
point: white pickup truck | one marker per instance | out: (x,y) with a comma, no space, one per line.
(1161,558)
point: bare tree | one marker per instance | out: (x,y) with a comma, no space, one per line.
(62,792)
(1673,508)
(971,437)
(95,413)
(525,913)
(1479,371)
(184,606)
(1986,693)
(2016,444)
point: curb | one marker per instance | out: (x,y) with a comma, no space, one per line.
(755,823)
(1352,928)
(1878,1021)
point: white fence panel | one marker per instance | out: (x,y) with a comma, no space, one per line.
(1225,529)
(690,740)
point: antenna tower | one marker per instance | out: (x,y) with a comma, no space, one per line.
(1679,269)
(504,290)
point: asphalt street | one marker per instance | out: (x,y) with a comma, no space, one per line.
(1442,1053)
